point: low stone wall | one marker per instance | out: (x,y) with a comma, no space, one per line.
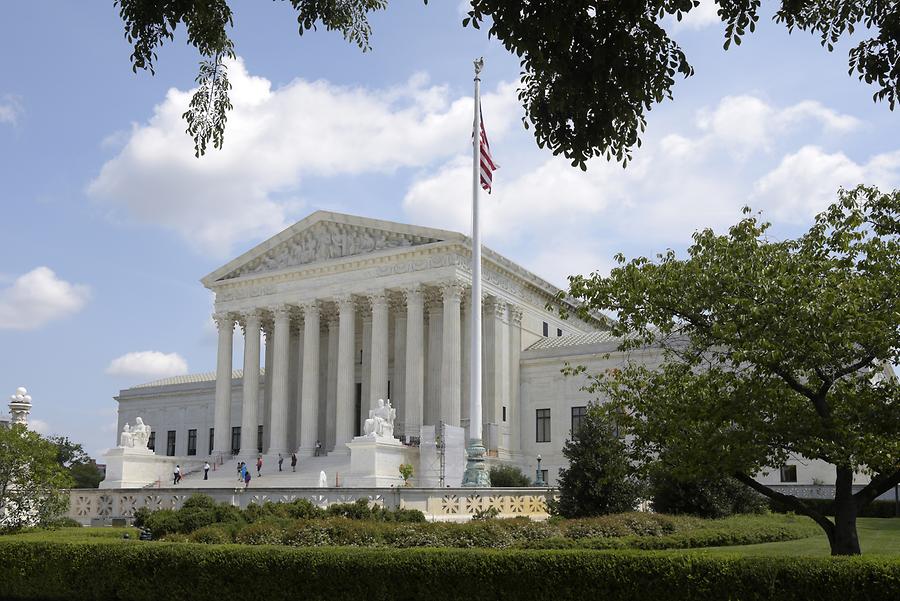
(95,506)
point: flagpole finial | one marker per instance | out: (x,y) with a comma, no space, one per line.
(479,65)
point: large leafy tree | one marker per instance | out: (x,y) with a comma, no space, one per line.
(771,348)
(31,479)
(72,457)
(590,70)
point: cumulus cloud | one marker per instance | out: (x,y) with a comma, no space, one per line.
(805,182)
(148,364)
(10,109)
(275,138)
(697,18)
(38,297)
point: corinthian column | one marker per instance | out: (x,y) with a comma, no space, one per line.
(345,373)
(451,377)
(309,393)
(415,360)
(278,441)
(378,377)
(222,410)
(249,408)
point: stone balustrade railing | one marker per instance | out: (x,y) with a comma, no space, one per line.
(98,506)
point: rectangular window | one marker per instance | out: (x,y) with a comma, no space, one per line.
(170,443)
(504,414)
(192,442)
(151,442)
(559,331)
(543,425)
(544,477)
(578,414)
(259,438)
(212,432)
(546,329)
(788,473)
(235,440)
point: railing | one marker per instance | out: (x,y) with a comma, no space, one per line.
(440,504)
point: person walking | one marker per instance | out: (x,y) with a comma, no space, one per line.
(259,466)
(206,470)
(176,474)
(280,461)
(318,448)
(293,462)
(246,478)
(240,469)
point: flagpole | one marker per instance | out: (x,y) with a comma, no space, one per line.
(476,474)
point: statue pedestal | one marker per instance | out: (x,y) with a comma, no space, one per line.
(132,467)
(375,462)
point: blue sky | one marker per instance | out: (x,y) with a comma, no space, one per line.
(109,220)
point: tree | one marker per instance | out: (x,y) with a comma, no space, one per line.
(508,476)
(600,478)
(31,479)
(72,457)
(715,496)
(770,349)
(590,70)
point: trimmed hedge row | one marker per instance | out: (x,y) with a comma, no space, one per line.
(147,572)
(875,509)
(623,531)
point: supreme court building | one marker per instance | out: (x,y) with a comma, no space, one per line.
(338,311)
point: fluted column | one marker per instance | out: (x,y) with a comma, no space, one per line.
(515,354)
(493,397)
(250,403)
(432,413)
(222,409)
(278,441)
(309,393)
(451,376)
(345,373)
(378,376)
(398,377)
(415,360)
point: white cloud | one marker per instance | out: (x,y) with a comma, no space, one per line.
(10,109)
(274,139)
(38,297)
(805,182)
(38,425)
(697,18)
(148,364)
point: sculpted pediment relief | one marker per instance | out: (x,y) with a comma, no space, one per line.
(325,241)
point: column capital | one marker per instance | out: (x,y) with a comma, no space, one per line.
(413,294)
(224,320)
(515,315)
(378,298)
(281,311)
(495,307)
(310,308)
(345,303)
(452,290)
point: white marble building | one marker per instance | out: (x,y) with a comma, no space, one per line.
(339,311)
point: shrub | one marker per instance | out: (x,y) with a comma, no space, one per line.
(140,517)
(198,501)
(108,571)
(708,498)
(162,522)
(600,478)
(60,522)
(508,476)
(211,535)
(260,533)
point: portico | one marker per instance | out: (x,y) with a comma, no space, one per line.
(354,310)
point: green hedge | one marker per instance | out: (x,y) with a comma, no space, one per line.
(875,509)
(151,571)
(623,531)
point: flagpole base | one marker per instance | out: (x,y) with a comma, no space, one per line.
(477,474)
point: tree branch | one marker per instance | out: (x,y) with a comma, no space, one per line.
(789,500)
(879,485)
(854,367)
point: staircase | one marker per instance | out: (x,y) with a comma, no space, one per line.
(306,476)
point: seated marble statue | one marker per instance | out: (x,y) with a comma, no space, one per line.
(126,439)
(381,421)
(140,434)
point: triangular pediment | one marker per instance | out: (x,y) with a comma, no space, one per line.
(325,236)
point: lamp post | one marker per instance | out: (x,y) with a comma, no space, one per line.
(539,480)
(19,407)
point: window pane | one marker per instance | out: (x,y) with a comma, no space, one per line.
(578,414)
(192,442)
(543,425)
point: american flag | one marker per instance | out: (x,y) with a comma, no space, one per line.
(488,166)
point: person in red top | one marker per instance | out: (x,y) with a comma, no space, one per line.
(258,466)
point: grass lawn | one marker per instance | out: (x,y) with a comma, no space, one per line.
(877,536)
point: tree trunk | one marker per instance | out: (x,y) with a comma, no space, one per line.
(844,541)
